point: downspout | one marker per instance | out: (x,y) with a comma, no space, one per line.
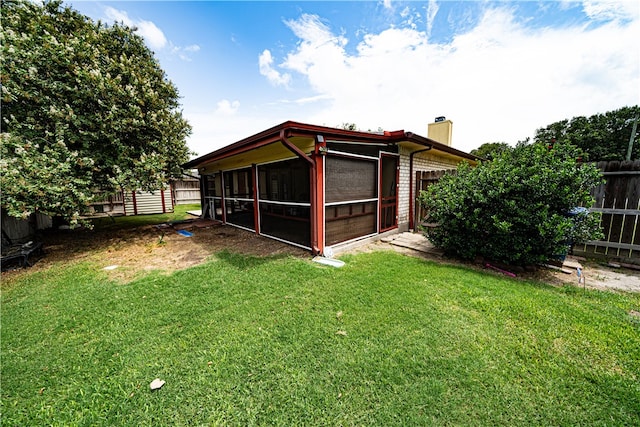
(298,152)
(411,185)
(313,190)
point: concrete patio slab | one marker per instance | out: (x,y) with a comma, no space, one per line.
(415,241)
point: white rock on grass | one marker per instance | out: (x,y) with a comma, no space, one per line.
(156,384)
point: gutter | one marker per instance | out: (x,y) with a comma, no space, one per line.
(411,185)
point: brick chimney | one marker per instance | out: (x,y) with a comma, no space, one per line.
(441,130)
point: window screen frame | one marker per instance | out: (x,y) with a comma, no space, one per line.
(231,200)
(214,199)
(277,207)
(352,203)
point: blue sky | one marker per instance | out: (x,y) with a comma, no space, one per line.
(498,70)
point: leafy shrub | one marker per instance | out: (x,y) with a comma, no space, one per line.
(516,209)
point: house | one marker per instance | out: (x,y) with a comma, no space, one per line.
(321,188)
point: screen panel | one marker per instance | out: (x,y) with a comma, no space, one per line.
(240,212)
(346,222)
(286,181)
(350,179)
(289,223)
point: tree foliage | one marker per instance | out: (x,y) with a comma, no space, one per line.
(515,209)
(348,126)
(601,136)
(491,150)
(85,108)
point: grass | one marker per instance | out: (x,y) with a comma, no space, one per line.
(119,222)
(385,340)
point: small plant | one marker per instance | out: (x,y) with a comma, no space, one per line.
(517,209)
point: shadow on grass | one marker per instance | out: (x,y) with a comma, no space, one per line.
(245,262)
(135,221)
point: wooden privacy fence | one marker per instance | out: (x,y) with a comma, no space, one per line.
(112,204)
(618,199)
(186,191)
(423,180)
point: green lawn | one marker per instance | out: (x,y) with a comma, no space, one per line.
(119,222)
(386,340)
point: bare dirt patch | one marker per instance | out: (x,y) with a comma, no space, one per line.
(606,278)
(130,252)
(594,275)
(135,251)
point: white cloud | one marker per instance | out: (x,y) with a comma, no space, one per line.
(317,41)
(227,107)
(410,17)
(118,16)
(153,36)
(183,52)
(611,9)
(215,129)
(265,61)
(498,81)
(432,11)
(320,54)
(311,99)
(306,100)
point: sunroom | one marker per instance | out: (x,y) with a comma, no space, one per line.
(312,186)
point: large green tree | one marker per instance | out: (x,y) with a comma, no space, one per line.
(491,150)
(516,209)
(600,136)
(86,108)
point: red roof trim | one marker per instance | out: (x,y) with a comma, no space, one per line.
(410,136)
(291,128)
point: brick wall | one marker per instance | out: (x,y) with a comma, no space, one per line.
(403,192)
(427,161)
